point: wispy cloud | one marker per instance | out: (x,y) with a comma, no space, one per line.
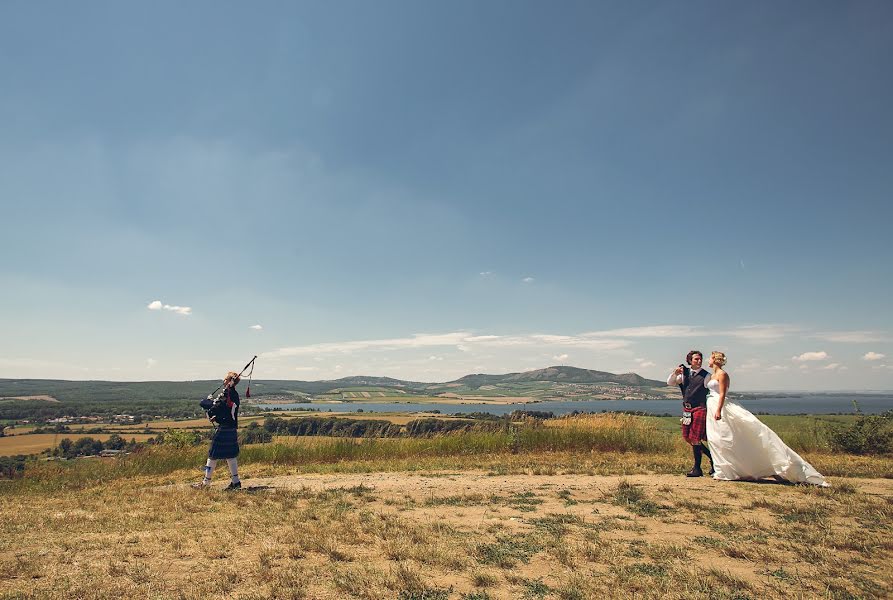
(650,331)
(851,337)
(749,366)
(833,367)
(778,368)
(754,333)
(560,357)
(873,356)
(644,363)
(528,280)
(256,327)
(808,356)
(151,362)
(485,273)
(762,333)
(180,310)
(461,340)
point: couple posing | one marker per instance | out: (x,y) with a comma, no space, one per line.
(740,445)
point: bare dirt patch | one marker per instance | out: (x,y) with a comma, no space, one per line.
(655,525)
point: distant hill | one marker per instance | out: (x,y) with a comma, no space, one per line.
(560,374)
(26,398)
(364,380)
(189,390)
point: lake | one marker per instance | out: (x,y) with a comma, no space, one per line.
(786,404)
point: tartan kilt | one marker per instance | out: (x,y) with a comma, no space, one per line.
(697,431)
(224,444)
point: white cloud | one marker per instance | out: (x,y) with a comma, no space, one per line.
(256,327)
(650,331)
(779,368)
(762,333)
(180,310)
(461,340)
(644,363)
(485,273)
(151,362)
(850,337)
(752,333)
(749,366)
(873,356)
(811,356)
(528,280)
(560,357)
(832,367)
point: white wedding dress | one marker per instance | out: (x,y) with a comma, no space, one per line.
(744,448)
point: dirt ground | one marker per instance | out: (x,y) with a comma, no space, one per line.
(449,535)
(747,531)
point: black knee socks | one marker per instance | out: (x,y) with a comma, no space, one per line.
(697,449)
(706,451)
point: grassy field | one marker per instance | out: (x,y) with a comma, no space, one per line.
(38,442)
(803,433)
(587,508)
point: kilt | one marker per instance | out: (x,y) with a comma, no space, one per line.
(697,431)
(224,444)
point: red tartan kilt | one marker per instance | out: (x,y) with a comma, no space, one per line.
(697,431)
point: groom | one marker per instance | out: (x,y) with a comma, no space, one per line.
(694,407)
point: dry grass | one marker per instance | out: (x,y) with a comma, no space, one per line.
(551,515)
(38,442)
(593,422)
(448,534)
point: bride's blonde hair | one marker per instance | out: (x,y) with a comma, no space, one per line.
(718,358)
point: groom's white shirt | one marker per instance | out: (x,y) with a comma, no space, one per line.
(674,379)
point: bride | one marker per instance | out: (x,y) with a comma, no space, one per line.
(742,446)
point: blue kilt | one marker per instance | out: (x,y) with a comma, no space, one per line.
(224,444)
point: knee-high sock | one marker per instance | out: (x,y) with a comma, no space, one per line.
(209,468)
(706,451)
(233,469)
(697,449)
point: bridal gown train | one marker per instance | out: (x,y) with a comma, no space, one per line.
(744,448)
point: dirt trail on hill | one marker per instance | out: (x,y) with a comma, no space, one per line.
(421,485)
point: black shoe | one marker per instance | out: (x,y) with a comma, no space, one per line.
(237,485)
(695,473)
(712,470)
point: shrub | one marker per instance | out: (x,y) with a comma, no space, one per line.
(179,438)
(870,434)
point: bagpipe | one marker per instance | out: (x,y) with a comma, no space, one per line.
(214,404)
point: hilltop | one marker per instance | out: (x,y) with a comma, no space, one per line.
(561,374)
(44,399)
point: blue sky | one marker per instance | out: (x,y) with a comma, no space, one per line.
(424,190)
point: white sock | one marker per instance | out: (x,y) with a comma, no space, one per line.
(233,469)
(209,468)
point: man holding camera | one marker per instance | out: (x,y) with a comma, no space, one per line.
(692,382)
